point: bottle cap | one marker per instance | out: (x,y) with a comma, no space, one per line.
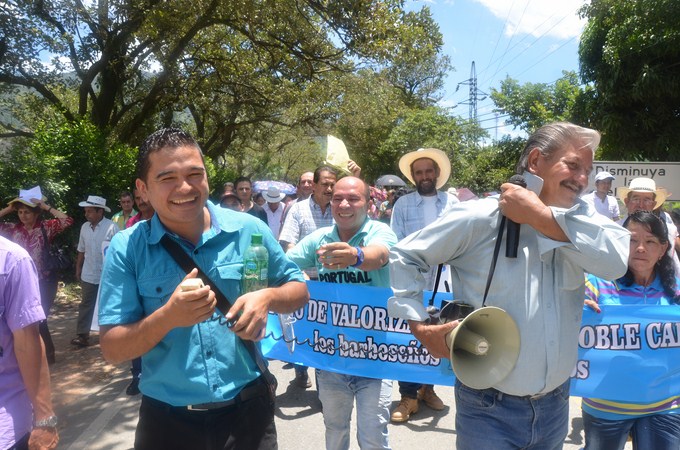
(256,239)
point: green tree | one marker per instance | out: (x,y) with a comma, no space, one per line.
(531,105)
(418,69)
(69,162)
(629,51)
(430,127)
(484,170)
(225,65)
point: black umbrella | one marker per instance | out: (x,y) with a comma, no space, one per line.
(390,180)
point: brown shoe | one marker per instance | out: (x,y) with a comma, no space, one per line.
(404,409)
(427,395)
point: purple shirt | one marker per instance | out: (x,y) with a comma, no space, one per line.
(19,308)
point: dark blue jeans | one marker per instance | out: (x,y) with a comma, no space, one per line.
(408,389)
(658,432)
(490,419)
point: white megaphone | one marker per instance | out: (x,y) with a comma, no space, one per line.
(484,347)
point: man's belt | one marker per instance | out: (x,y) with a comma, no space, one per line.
(499,394)
(253,390)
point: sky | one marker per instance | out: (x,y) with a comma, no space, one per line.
(532,41)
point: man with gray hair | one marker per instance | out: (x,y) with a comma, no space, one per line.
(542,289)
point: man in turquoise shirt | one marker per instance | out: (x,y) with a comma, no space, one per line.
(354,250)
(201,387)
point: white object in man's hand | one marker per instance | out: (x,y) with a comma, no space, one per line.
(191,284)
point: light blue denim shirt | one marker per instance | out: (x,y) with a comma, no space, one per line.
(408,214)
(542,289)
(205,362)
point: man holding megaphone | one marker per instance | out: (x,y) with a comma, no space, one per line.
(513,359)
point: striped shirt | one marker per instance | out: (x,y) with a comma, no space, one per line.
(304,218)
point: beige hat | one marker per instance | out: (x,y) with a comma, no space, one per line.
(95,201)
(26,195)
(25,201)
(434,154)
(644,185)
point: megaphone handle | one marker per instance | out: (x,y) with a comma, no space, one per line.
(496,251)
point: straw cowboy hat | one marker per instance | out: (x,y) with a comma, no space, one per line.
(26,195)
(95,201)
(644,185)
(25,201)
(434,154)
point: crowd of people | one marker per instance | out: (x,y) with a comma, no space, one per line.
(204,382)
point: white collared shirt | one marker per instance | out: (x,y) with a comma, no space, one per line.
(92,243)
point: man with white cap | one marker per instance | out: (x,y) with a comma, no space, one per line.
(643,195)
(95,234)
(428,169)
(600,199)
(273,208)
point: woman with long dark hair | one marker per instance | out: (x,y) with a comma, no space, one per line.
(30,233)
(650,280)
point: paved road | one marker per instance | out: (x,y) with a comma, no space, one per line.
(106,420)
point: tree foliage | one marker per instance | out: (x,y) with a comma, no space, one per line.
(486,169)
(69,162)
(418,69)
(532,105)
(630,52)
(420,128)
(226,66)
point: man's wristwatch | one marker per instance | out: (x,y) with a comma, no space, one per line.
(360,257)
(49,422)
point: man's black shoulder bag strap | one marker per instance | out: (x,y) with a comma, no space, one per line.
(223,304)
(492,269)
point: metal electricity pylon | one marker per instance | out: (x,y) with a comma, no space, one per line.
(475,96)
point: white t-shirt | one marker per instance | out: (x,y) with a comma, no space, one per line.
(430,208)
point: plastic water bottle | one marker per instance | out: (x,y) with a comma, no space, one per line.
(256,260)
(255,271)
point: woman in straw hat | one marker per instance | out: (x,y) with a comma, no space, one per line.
(30,232)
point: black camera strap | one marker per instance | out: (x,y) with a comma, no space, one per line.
(440,268)
(223,305)
(492,269)
(496,251)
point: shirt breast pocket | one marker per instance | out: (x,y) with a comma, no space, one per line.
(230,279)
(156,291)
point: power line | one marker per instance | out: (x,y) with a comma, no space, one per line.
(500,61)
(528,47)
(542,59)
(500,34)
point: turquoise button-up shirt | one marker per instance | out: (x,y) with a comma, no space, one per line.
(205,362)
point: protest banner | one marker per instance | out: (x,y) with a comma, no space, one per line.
(627,353)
